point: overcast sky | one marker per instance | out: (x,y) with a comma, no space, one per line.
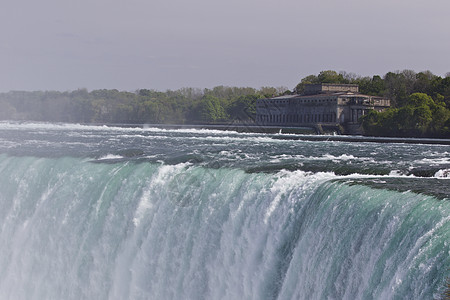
(169,44)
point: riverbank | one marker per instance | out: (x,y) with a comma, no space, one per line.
(282,133)
(302,133)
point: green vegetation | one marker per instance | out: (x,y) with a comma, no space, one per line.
(421,116)
(183,106)
(420,104)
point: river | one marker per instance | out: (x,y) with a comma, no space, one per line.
(104,212)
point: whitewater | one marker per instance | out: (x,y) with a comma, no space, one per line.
(104,212)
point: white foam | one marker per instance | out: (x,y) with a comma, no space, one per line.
(63,126)
(444,173)
(287,180)
(434,161)
(189,130)
(110,157)
(165,172)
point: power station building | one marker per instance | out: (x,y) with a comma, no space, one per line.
(320,105)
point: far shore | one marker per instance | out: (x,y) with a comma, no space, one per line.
(293,133)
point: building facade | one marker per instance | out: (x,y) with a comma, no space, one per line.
(320,104)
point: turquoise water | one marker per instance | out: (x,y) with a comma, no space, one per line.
(127,213)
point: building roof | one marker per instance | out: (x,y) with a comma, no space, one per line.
(323,95)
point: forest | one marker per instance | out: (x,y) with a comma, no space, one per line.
(184,106)
(420,104)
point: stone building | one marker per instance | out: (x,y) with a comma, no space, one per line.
(320,105)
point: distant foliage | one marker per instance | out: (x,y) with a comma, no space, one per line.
(420,101)
(183,106)
(396,85)
(420,104)
(420,117)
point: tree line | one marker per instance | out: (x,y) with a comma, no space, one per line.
(420,104)
(183,106)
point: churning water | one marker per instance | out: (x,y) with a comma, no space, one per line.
(91,212)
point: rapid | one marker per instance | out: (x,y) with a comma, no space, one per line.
(104,212)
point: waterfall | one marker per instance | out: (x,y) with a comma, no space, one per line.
(73,228)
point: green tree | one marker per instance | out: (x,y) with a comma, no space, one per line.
(424,82)
(442,86)
(330,76)
(300,87)
(396,88)
(268,92)
(422,116)
(243,108)
(375,86)
(212,110)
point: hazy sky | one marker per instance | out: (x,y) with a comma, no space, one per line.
(169,44)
